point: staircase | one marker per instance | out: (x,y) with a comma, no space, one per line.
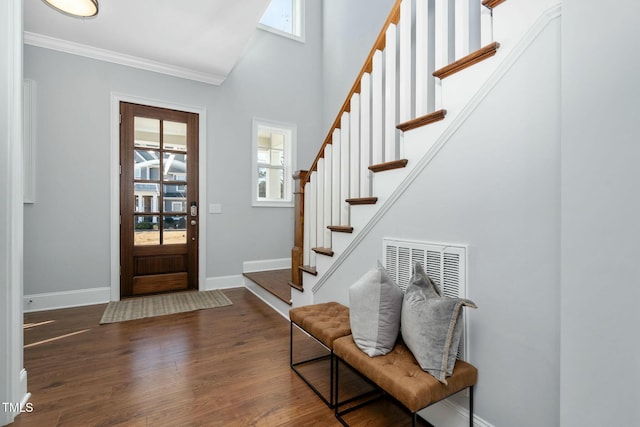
(432,63)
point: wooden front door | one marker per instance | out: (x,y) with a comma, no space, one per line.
(158,200)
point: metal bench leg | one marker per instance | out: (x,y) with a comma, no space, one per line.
(329,402)
(471,406)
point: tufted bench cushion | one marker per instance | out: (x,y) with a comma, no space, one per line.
(399,374)
(326,321)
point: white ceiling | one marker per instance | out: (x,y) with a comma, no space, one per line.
(196,39)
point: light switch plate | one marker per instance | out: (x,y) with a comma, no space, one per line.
(215,208)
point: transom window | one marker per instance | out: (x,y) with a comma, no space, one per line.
(273,160)
(284,17)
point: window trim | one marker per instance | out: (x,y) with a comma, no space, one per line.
(289,162)
(299,17)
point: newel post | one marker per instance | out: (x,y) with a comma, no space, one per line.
(299,178)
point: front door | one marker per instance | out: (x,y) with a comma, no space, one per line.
(158,200)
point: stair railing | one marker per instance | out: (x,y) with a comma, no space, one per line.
(397,89)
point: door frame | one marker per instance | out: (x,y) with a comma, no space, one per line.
(116,98)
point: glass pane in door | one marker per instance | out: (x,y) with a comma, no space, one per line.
(146,165)
(174,229)
(174,136)
(146,133)
(175,167)
(146,197)
(146,230)
(175,198)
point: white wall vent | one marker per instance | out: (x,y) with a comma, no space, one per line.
(445,264)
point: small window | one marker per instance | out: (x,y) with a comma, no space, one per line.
(284,17)
(273,163)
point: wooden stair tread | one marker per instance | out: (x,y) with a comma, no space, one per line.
(436,116)
(276,282)
(467,61)
(323,251)
(308,269)
(296,287)
(340,228)
(394,164)
(363,201)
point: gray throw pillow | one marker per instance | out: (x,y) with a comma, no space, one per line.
(375,303)
(432,327)
(420,282)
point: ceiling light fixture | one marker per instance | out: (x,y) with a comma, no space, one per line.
(75,8)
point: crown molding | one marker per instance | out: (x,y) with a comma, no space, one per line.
(73,48)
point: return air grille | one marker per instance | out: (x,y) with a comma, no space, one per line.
(445,265)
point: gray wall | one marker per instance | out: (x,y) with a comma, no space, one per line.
(67,229)
(349,29)
(600,212)
(496,187)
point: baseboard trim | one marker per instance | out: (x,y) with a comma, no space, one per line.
(224,282)
(66,299)
(451,414)
(24,393)
(266,265)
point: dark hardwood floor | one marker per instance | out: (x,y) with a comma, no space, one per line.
(226,366)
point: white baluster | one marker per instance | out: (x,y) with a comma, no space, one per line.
(344,168)
(467,27)
(405,83)
(424,59)
(444,46)
(312,216)
(327,195)
(320,204)
(486,26)
(462,21)
(336,200)
(354,137)
(306,253)
(365,135)
(377,126)
(443,32)
(390,93)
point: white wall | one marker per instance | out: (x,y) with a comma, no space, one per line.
(600,212)
(67,229)
(496,187)
(12,379)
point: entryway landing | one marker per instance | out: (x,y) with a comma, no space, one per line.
(276,282)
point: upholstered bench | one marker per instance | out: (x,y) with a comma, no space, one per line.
(325,323)
(399,375)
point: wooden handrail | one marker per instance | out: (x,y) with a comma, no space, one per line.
(393,18)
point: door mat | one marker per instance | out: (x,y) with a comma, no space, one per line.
(160,305)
